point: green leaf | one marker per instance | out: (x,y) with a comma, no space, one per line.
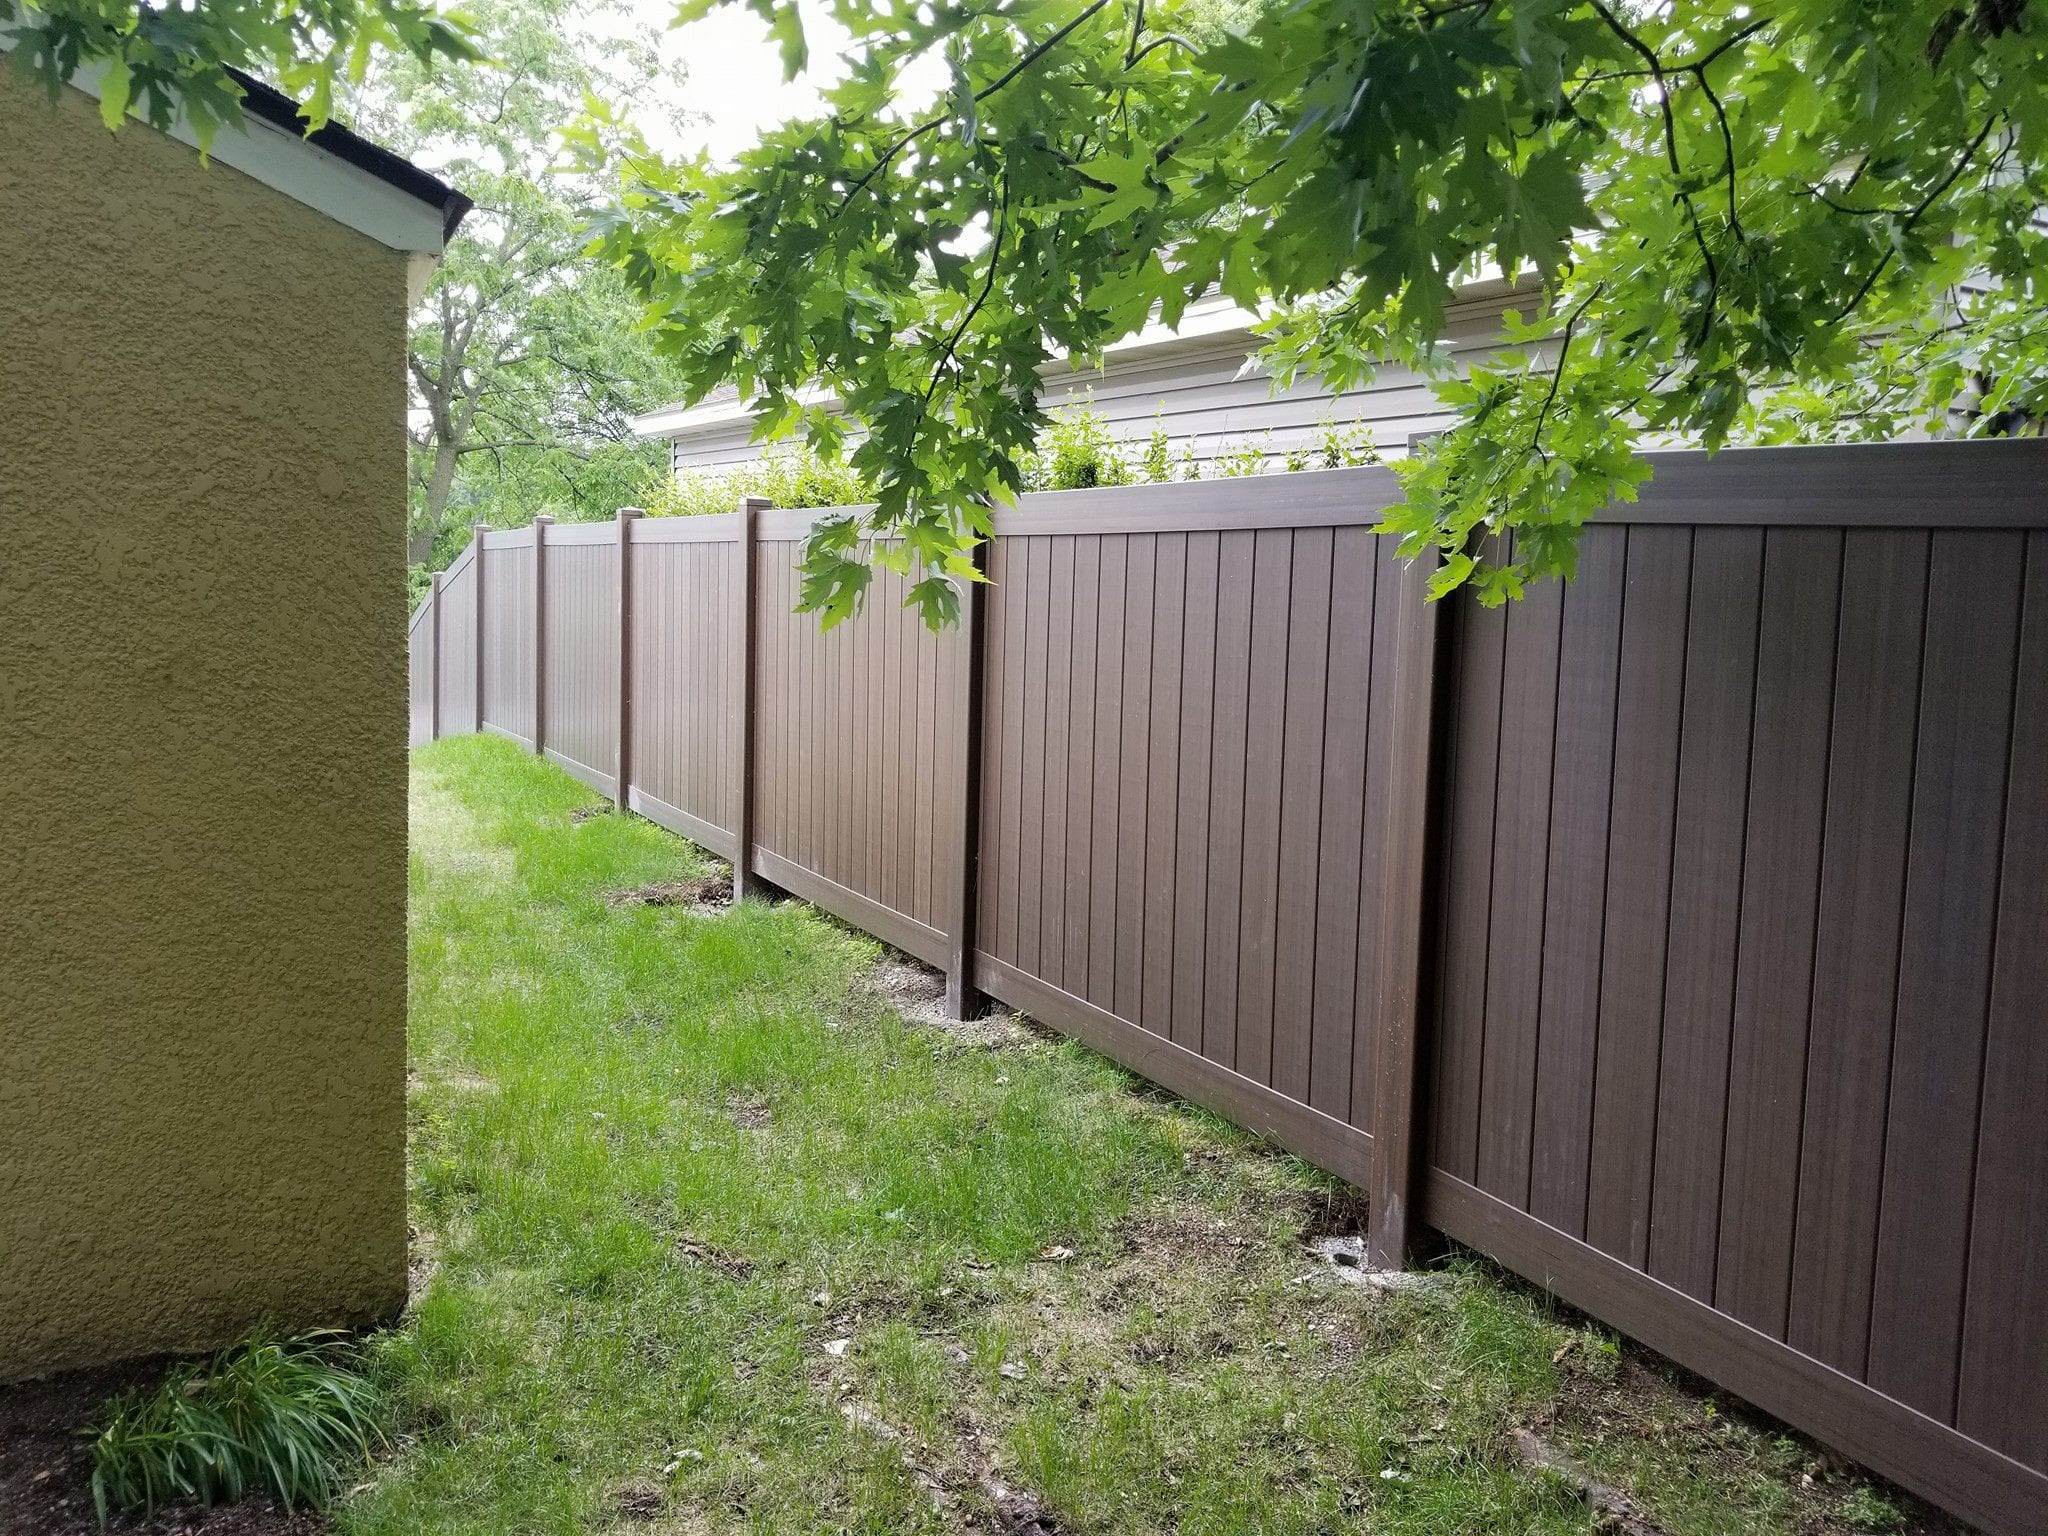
(114,90)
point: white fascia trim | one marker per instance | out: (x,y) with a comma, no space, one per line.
(304,172)
(671,420)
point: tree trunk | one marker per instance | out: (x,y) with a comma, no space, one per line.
(419,543)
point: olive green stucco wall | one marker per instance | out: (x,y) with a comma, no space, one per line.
(202,728)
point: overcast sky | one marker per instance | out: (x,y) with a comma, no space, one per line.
(732,74)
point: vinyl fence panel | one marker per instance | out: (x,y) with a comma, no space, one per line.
(1680,931)
(580,651)
(508,633)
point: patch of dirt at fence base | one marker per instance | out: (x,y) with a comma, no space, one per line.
(1337,1210)
(1608,1397)
(46,1467)
(701,894)
(918,993)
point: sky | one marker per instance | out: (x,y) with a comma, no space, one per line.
(732,74)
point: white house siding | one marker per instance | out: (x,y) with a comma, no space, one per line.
(1216,395)
(1207,391)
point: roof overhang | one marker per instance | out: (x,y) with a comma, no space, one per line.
(331,170)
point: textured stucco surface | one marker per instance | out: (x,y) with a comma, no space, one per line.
(202,728)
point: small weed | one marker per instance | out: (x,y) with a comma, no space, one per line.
(285,1417)
(1868,1510)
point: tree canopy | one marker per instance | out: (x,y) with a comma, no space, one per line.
(158,61)
(526,357)
(1778,219)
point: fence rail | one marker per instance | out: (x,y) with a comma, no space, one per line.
(1677,936)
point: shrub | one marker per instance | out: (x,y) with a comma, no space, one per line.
(1248,458)
(799,478)
(1075,451)
(286,1417)
(1157,465)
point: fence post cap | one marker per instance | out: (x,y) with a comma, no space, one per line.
(632,511)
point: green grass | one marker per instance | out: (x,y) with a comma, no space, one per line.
(661,1160)
(288,1418)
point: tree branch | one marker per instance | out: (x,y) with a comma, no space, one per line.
(905,140)
(1914,216)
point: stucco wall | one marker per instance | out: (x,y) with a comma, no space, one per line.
(202,729)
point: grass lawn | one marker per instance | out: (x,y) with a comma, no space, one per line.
(711,1239)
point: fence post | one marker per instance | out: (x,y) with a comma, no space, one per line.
(1402,996)
(434,658)
(622,760)
(541,524)
(744,881)
(476,583)
(963,1000)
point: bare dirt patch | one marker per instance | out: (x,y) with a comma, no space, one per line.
(46,1468)
(1631,1398)
(639,1501)
(750,1112)
(732,1265)
(1334,1211)
(918,994)
(947,1471)
(703,893)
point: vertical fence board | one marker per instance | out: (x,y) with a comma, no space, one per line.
(1301,737)
(1104,834)
(1199,643)
(1959,788)
(995,716)
(1516,912)
(1134,723)
(1055,890)
(1639,846)
(1230,718)
(1265,725)
(1780,893)
(1863,871)
(1336,1019)
(1079,861)
(2003,1390)
(1706,899)
(1031,746)
(1162,787)
(1012,668)
(1575,891)
(1479,641)
(1396,618)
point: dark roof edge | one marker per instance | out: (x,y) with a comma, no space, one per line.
(274,107)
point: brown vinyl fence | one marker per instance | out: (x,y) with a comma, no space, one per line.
(1678,936)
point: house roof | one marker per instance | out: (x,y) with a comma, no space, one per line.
(330,169)
(270,105)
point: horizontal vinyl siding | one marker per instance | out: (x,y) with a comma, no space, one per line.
(1213,397)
